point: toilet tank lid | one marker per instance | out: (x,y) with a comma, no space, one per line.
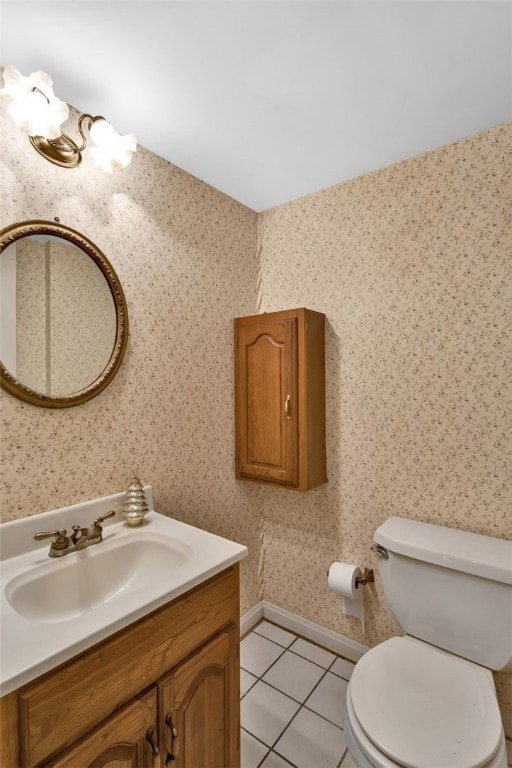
(484,556)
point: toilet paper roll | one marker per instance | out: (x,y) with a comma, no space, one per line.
(342,580)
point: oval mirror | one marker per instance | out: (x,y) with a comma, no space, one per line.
(63,315)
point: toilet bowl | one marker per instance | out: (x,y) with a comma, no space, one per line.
(427,699)
(410,704)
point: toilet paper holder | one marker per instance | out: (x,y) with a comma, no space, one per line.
(366,577)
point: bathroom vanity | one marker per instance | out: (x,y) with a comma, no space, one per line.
(158,687)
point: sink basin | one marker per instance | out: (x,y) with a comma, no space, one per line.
(59,590)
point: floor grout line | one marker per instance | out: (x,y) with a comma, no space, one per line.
(302,704)
(289,650)
(281,756)
(260,742)
(298,637)
(280,690)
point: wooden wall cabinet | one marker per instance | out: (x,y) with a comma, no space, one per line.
(280,398)
(163,692)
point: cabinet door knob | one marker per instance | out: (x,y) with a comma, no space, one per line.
(288,406)
(151,739)
(174,735)
(169,723)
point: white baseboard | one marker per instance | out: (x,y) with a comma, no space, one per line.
(251,618)
(339,644)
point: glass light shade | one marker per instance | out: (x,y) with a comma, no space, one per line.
(111,150)
(31,103)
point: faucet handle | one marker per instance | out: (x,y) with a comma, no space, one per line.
(60,538)
(101,518)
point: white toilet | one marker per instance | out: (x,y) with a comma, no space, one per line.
(427,699)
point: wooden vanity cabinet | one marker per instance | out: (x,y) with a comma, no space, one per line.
(164,691)
(280,398)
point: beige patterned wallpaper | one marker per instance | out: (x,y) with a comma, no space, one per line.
(185,254)
(412,266)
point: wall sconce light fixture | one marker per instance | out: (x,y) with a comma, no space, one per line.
(34,108)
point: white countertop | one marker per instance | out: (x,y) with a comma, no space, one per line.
(30,647)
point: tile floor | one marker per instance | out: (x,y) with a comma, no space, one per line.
(292,702)
(292,695)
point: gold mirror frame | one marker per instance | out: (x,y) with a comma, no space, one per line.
(9,382)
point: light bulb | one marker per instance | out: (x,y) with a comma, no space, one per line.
(31,103)
(111,150)
(101,132)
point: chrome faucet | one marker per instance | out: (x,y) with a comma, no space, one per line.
(62,544)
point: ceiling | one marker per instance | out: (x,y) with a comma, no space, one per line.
(270,100)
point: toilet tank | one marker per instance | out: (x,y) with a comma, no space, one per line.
(450,588)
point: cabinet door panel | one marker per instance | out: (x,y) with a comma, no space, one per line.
(200,704)
(264,401)
(119,742)
(267,417)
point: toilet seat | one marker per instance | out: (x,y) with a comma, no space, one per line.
(421,707)
(366,755)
